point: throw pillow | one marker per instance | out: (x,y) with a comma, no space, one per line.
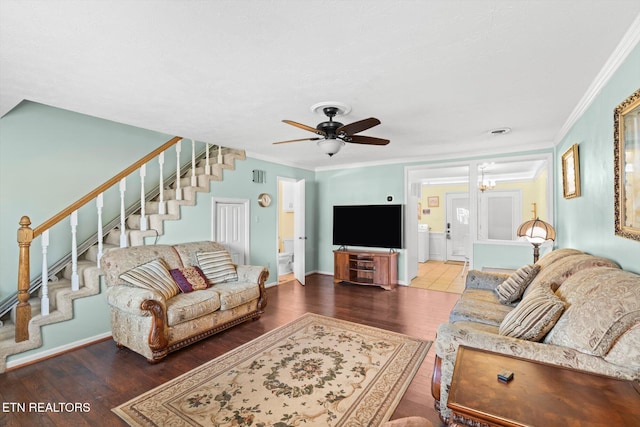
(217,266)
(190,279)
(512,288)
(153,275)
(534,317)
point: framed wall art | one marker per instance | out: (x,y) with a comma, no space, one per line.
(433,201)
(626,153)
(571,173)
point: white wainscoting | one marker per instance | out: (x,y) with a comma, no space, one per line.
(436,246)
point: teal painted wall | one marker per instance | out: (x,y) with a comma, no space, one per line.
(513,255)
(587,222)
(362,185)
(51,157)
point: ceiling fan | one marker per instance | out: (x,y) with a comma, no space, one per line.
(333,135)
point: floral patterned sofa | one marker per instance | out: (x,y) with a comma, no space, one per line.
(570,308)
(164,297)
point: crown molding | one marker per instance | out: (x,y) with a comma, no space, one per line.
(622,51)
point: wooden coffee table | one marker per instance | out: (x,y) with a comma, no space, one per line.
(539,394)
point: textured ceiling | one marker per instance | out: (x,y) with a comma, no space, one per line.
(438,74)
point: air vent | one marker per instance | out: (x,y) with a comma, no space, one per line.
(499,131)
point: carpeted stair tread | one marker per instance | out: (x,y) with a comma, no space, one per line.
(92,252)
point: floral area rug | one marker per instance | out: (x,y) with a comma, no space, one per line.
(314,371)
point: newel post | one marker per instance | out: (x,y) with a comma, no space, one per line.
(23,309)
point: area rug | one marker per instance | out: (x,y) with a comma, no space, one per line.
(314,371)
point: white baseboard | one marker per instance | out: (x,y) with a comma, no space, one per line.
(55,351)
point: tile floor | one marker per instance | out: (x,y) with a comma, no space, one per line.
(440,276)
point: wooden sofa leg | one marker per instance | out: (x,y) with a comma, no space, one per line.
(436,379)
(158,342)
(436,383)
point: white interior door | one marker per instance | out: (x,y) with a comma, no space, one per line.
(299,236)
(411,237)
(457,226)
(230,227)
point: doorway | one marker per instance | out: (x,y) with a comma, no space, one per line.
(291,238)
(230,219)
(457,231)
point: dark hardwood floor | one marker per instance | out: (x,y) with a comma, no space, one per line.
(103,376)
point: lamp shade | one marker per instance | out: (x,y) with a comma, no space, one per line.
(330,146)
(536,231)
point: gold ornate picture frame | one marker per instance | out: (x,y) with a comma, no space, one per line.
(571,173)
(626,153)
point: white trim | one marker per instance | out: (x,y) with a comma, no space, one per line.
(430,158)
(56,350)
(622,51)
(277,161)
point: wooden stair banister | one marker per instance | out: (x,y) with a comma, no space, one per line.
(26,235)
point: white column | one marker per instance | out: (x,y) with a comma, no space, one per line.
(220,154)
(161,205)
(44,302)
(194,180)
(207,167)
(123,226)
(178,189)
(75,285)
(99,206)
(143,217)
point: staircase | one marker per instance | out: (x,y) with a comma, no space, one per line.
(144,221)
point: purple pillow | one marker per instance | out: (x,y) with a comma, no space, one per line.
(189,279)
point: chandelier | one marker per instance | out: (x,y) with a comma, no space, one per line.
(485,184)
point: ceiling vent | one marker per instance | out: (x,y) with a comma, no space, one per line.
(499,131)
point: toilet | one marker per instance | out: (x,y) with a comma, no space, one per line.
(285,259)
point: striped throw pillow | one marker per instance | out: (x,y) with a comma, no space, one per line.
(217,266)
(535,316)
(513,288)
(153,275)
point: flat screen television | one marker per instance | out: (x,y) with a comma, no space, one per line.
(379,226)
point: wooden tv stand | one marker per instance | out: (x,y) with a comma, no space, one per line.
(366,268)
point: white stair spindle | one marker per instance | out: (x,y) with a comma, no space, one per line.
(75,285)
(123,227)
(194,180)
(207,168)
(143,217)
(44,302)
(99,206)
(178,189)
(220,154)
(161,205)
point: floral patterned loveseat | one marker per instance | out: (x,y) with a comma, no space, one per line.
(589,320)
(164,297)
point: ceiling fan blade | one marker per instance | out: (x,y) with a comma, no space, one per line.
(361,139)
(358,126)
(296,140)
(305,127)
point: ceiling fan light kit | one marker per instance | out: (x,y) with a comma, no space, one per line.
(333,134)
(330,146)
